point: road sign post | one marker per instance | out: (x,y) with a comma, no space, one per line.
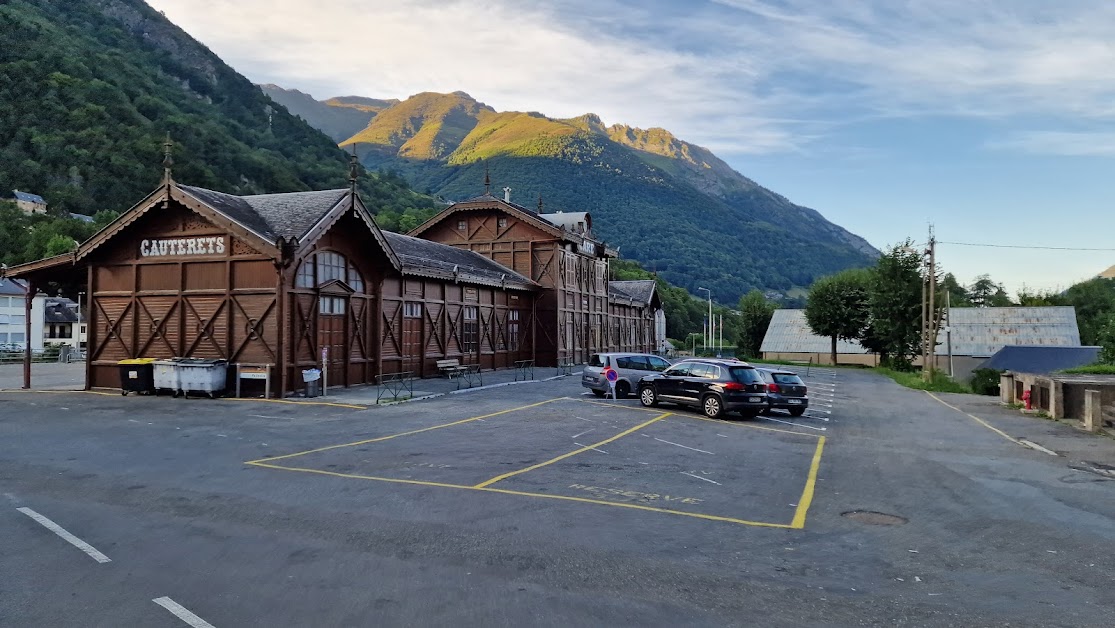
(611,376)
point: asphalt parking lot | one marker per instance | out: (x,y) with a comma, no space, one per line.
(538,504)
(585,452)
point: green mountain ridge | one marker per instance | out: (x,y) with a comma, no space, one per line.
(89,90)
(339,117)
(671,205)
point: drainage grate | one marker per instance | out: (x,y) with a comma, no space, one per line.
(870,517)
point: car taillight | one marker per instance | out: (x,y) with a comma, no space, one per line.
(734,386)
(772,388)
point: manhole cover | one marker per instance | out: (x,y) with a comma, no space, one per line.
(871,517)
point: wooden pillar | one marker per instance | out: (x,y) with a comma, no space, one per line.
(90,336)
(284,331)
(31,289)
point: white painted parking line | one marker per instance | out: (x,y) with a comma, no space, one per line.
(819,429)
(683,446)
(1037,447)
(69,538)
(181,613)
(587,447)
(701,478)
(593,429)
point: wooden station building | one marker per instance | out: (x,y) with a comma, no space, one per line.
(307,279)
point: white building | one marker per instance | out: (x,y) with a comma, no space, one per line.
(13,314)
(54,320)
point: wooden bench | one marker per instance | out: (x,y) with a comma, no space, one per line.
(451,368)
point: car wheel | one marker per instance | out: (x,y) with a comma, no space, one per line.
(712,407)
(797,412)
(622,390)
(598,393)
(648,397)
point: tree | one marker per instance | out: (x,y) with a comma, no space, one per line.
(1094,301)
(755,314)
(958,294)
(837,306)
(987,293)
(895,302)
(1106,339)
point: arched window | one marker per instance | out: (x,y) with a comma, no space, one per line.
(326,266)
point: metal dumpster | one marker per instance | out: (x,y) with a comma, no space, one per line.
(136,376)
(166,376)
(200,375)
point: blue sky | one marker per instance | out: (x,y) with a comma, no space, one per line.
(992,119)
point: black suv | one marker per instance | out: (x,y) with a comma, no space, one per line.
(785,391)
(715,386)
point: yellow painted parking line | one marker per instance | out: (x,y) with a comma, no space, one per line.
(810,483)
(389,437)
(614,405)
(572,453)
(977,420)
(750,426)
(298,403)
(583,500)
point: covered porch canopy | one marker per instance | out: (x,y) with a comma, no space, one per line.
(63,271)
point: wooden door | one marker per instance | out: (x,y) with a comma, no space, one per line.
(331,338)
(412,337)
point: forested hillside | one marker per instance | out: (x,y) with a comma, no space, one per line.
(672,206)
(89,89)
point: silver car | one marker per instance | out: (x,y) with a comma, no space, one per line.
(630,368)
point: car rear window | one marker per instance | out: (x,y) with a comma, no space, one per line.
(597,360)
(786,378)
(745,375)
(636,362)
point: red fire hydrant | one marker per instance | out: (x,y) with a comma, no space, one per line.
(1026,399)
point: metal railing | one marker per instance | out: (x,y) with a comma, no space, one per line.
(469,374)
(524,370)
(565,366)
(396,384)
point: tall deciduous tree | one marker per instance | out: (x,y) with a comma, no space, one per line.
(895,304)
(837,306)
(755,314)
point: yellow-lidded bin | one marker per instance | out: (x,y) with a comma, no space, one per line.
(137,375)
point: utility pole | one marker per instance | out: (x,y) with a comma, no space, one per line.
(710,331)
(931,343)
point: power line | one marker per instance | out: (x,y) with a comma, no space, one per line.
(1023,246)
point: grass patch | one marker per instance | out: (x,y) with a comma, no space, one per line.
(1092,369)
(939,382)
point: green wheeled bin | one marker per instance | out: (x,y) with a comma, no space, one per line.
(137,375)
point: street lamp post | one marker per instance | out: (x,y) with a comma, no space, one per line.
(711,327)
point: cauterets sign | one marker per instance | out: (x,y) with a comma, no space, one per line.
(182,246)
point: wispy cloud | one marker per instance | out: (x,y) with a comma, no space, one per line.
(1064,143)
(735,75)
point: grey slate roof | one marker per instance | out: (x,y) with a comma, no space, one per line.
(288,215)
(81,217)
(12,287)
(28,197)
(1040,360)
(433,259)
(573,222)
(981,331)
(639,290)
(789,333)
(57,312)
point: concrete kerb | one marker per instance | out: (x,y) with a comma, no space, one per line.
(468,390)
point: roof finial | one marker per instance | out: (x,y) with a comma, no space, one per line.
(353,167)
(168,161)
(539,203)
(487,180)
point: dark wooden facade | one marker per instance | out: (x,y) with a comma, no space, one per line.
(576,312)
(176,276)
